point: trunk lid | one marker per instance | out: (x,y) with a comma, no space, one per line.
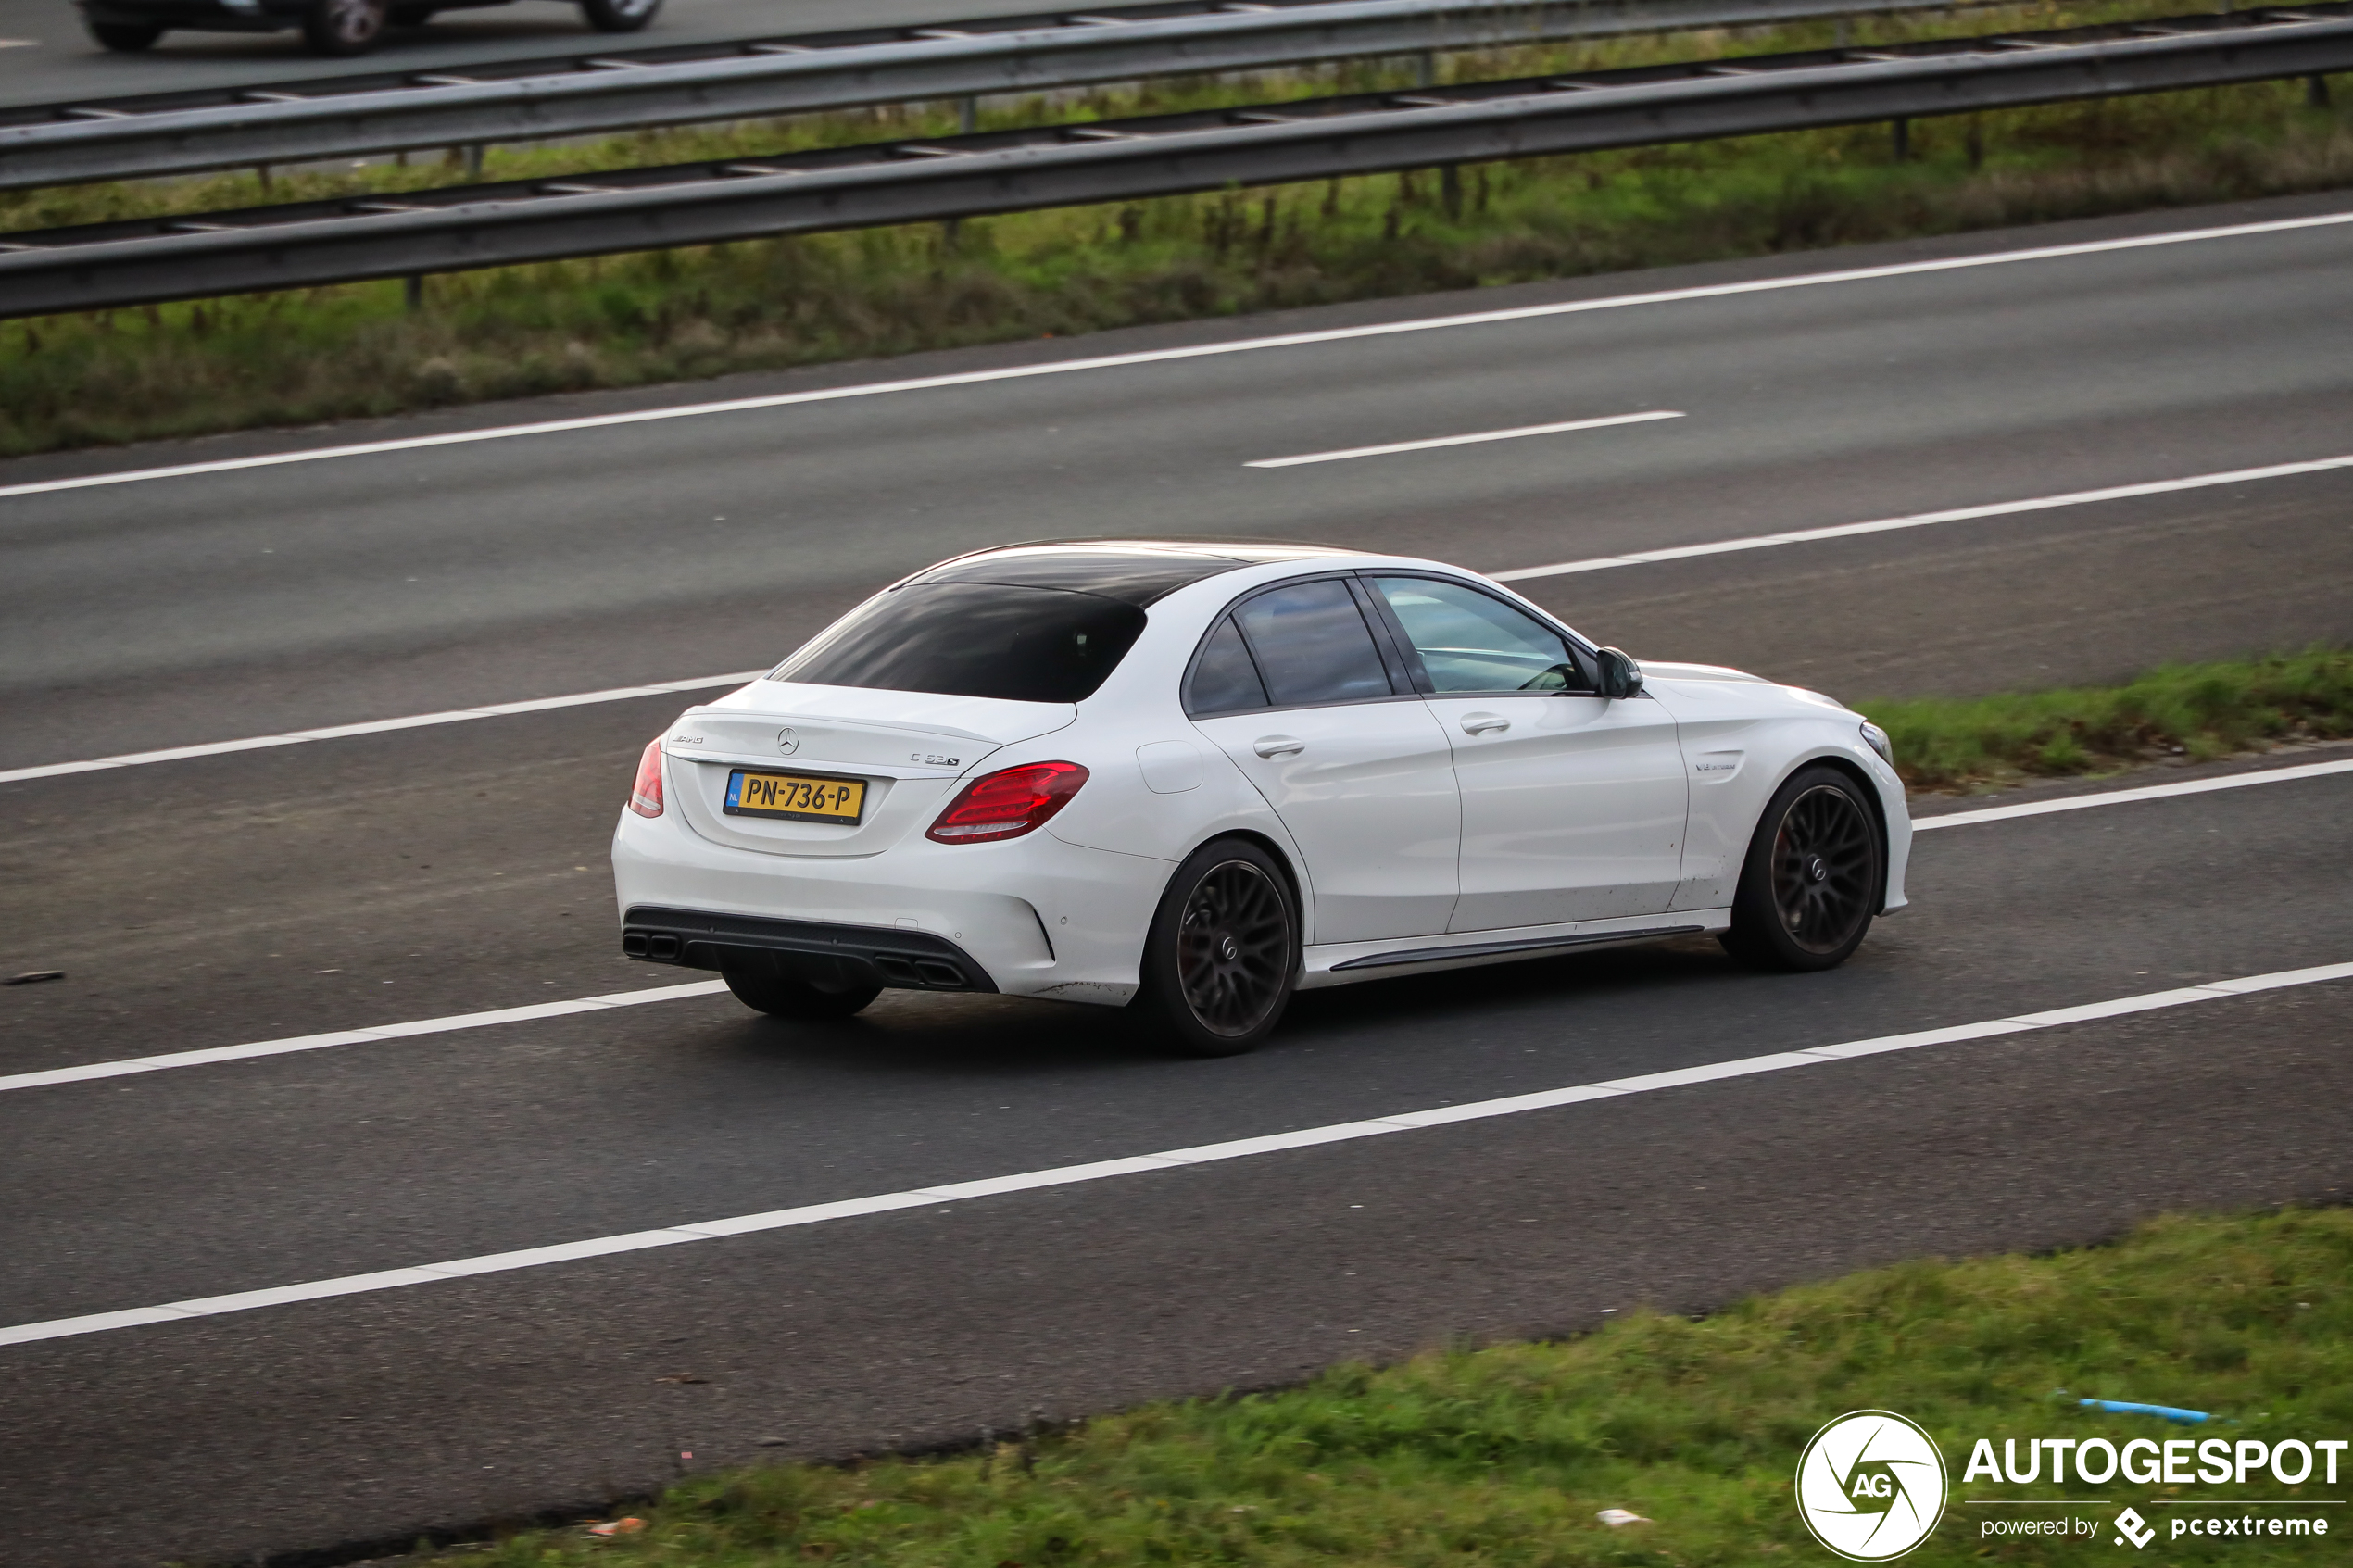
(908,748)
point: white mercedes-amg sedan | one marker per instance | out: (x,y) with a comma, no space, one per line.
(1193,778)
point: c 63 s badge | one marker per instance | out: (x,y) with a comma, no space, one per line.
(1870,1485)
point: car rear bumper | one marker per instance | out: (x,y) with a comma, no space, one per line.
(871,955)
(1032,916)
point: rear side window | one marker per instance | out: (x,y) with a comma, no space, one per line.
(1312,645)
(1471,642)
(975,639)
(1224,679)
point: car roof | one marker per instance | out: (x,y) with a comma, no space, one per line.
(1134,572)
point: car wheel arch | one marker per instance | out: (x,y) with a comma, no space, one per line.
(1864,787)
(1282,858)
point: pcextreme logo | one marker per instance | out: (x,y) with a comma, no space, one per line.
(1870,1485)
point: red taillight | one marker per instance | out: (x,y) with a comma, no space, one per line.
(645,797)
(1009,804)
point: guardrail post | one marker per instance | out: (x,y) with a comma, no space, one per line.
(1900,139)
(2316,92)
(967,116)
(1426,69)
(412,292)
(473,160)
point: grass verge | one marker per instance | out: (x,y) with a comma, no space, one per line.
(333,353)
(2200,711)
(1505,1455)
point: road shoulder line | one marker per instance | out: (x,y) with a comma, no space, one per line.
(1068,1176)
(207,1056)
(2125,796)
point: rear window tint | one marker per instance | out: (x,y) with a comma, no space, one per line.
(975,639)
(1313,645)
(1223,680)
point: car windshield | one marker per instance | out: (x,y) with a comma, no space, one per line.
(975,639)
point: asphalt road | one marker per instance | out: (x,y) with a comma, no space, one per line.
(46,57)
(448,869)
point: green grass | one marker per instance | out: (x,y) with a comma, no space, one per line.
(1504,1455)
(343,352)
(2200,711)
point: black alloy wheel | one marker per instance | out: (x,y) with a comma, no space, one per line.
(1812,880)
(1223,955)
(806,996)
(344,27)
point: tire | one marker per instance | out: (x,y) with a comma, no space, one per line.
(343,28)
(619,16)
(125,38)
(780,993)
(1813,877)
(1222,957)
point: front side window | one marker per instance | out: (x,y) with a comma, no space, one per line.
(1312,645)
(1471,642)
(975,639)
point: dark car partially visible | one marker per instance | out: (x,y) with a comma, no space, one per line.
(329,27)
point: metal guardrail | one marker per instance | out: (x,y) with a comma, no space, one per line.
(358,116)
(306,243)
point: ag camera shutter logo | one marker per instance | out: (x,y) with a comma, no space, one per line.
(1870,1485)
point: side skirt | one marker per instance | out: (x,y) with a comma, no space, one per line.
(1342,964)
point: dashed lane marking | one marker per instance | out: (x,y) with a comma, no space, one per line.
(127,1066)
(375,726)
(1600,563)
(1925,520)
(1430,443)
(1195,351)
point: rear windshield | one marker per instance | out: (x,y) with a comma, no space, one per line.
(975,639)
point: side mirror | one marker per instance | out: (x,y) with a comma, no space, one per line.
(1621,677)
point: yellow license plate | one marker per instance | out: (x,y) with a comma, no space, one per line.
(800,797)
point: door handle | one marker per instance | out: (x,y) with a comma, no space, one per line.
(1480,723)
(1278,745)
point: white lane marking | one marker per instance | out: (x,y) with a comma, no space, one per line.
(1601,563)
(209,1056)
(2121,796)
(126,1066)
(375,726)
(1433,441)
(1105,1170)
(1198,351)
(1923,520)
